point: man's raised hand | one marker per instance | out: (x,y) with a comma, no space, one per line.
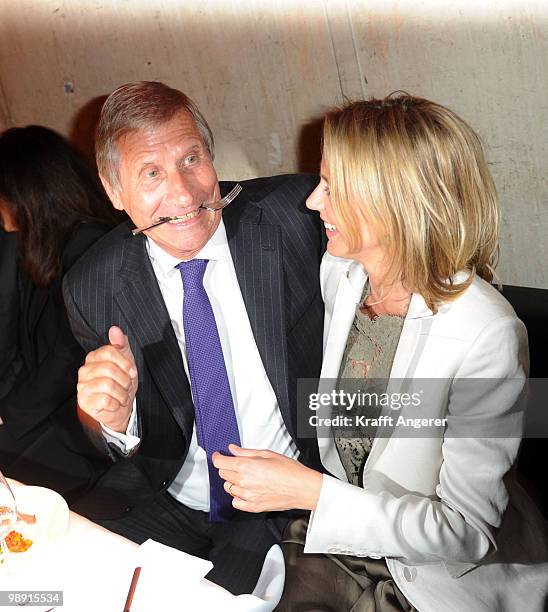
(107,382)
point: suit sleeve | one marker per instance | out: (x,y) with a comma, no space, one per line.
(86,336)
(458,526)
(89,340)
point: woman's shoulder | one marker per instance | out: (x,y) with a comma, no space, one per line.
(479,307)
(81,239)
(485,300)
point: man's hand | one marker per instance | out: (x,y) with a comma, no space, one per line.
(107,382)
(264,481)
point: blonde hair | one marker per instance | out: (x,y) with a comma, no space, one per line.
(416,173)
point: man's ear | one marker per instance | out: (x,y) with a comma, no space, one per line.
(113,194)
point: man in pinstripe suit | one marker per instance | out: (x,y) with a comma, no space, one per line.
(124,298)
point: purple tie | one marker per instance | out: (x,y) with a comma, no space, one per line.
(216,425)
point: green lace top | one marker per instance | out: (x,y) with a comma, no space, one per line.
(369,354)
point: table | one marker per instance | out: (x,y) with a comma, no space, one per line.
(93,567)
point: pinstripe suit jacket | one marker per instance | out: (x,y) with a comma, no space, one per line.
(276,246)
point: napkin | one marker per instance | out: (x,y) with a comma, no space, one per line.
(173,580)
(166,573)
(161,559)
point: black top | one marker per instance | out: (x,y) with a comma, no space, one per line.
(39,357)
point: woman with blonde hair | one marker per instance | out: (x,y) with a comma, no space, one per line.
(404,520)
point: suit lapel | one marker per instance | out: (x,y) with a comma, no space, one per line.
(410,347)
(338,322)
(416,328)
(141,302)
(256,250)
(412,342)
(349,292)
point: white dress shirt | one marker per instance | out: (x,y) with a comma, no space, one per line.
(259,419)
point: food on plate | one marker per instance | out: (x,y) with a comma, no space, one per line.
(17,543)
(26,518)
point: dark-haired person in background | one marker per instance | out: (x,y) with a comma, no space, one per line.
(52,208)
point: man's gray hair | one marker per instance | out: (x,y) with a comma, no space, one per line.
(140,105)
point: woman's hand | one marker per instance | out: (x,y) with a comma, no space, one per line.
(264,481)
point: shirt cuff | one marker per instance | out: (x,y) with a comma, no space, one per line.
(331,527)
(124,442)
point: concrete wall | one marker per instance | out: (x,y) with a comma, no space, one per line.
(263,70)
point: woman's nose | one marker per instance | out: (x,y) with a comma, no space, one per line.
(315,199)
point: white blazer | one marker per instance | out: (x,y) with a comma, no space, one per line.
(436,507)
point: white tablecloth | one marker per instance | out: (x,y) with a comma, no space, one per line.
(93,567)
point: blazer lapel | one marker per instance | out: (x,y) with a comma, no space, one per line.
(140,299)
(349,292)
(338,323)
(412,342)
(256,250)
(416,327)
